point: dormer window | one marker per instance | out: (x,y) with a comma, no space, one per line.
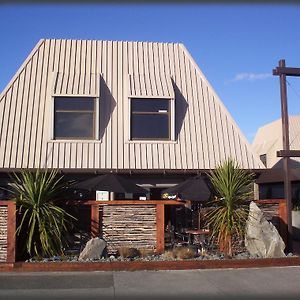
(75,106)
(152,108)
(74,118)
(150,119)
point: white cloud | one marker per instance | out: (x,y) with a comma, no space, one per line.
(250,77)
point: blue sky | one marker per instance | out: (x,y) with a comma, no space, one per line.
(235,45)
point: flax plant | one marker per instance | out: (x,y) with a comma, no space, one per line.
(233,188)
(42,221)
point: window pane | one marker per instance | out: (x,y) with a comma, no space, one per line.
(150,126)
(149,105)
(74,103)
(74,125)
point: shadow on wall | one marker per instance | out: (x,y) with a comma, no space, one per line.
(107,106)
(181,107)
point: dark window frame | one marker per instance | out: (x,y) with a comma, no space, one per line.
(144,113)
(263,158)
(93,112)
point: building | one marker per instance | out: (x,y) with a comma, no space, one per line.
(267,142)
(141,109)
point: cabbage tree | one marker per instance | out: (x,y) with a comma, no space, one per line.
(233,188)
(42,220)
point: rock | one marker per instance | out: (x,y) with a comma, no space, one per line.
(93,249)
(262,238)
(128,252)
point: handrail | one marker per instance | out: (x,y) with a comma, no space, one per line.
(123,202)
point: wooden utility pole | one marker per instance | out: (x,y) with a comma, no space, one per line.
(282,71)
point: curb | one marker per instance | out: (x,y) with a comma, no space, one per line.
(149,265)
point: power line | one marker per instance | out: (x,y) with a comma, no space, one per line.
(294,90)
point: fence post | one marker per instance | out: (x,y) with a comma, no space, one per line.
(95,221)
(283,227)
(160,228)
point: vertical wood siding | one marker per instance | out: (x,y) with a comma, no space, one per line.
(205,132)
(3,233)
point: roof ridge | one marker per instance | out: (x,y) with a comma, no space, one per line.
(114,41)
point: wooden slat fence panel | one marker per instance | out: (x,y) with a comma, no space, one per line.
(129,226)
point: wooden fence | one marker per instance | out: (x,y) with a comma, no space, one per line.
(152,233)
(7,231)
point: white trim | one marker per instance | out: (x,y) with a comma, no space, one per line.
(97,118)
(76,95)
(96,121)
(151,97)
(172,120)
(172,123)
(90,141)
(151,142)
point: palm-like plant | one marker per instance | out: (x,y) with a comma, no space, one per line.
(233,187)
(42,220)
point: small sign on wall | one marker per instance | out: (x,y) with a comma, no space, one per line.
(102,195)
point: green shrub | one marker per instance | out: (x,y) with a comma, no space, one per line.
(233,188)
(43,222)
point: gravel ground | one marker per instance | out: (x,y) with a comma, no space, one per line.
(162,257)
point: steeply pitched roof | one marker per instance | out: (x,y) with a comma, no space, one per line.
(205,132)
(268,140)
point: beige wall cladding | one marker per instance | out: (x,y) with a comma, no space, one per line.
(268,140)
(204,134)
(129,226)
(3,233)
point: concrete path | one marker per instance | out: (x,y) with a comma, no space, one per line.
(263,283)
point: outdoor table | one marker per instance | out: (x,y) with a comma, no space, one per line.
(202,233)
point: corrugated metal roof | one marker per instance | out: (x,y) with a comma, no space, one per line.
(87,84)
(205,133)
(145,86)
(268,140)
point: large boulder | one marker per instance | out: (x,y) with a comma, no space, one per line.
(262,238)
(93,249)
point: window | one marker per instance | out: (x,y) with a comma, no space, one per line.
(263,158)
(150,119)
(74,118)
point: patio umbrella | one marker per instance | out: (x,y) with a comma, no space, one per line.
(194,189)
(112,183)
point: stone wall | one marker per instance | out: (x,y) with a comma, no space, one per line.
(3,233)
(129,226)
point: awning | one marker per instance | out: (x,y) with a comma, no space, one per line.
(76,84)
(276,175)
(148,86)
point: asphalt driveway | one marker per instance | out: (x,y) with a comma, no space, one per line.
(263,283)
